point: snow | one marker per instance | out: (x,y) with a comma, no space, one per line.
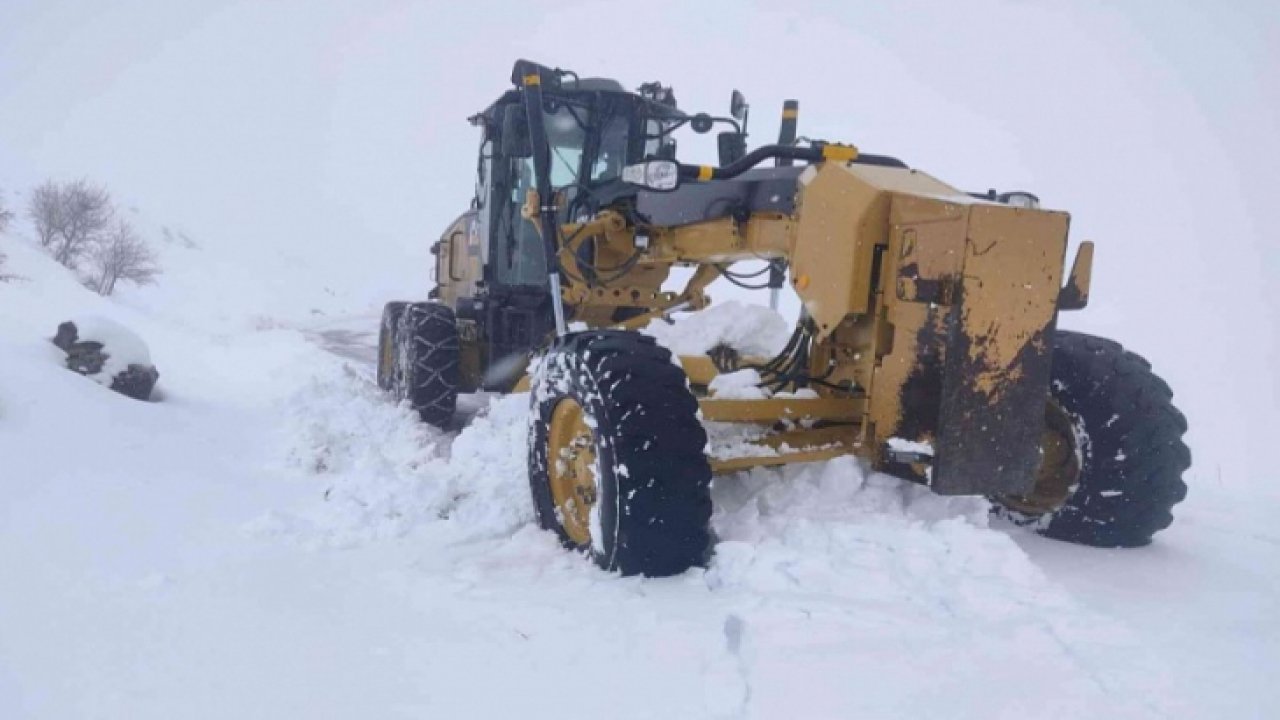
(276,540)
(738,385)
(903,445)
(749,329)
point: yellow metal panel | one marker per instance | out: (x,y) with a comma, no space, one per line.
(841,218)
(803,456)
(1013,273)
(906,182)
(926,247)
(780,408)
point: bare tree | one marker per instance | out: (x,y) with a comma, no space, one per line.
(6,216)
(121,254)
(70,218)
(45,209)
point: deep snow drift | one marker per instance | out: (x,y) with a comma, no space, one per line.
(275,539)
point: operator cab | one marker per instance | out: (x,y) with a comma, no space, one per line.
(594,129)
(491,264)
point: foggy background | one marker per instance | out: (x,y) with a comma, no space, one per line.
(327,140)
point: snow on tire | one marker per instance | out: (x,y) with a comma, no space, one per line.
(426,367)
(1129,444)
(650,492)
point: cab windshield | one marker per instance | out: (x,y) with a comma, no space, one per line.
(520,260)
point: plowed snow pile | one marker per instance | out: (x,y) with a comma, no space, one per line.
(821,572)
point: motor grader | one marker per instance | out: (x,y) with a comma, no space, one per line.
(927,342)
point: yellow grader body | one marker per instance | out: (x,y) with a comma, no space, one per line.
(932,309)
(927,342)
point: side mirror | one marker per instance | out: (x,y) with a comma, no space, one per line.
(733,147)
(515,133)
(738,106)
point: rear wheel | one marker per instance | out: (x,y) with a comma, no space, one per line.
(424,368)
(616,463)
(387,342)
(1113,450)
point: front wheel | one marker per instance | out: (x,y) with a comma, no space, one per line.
(1113,450)
(616,462)
(418,358)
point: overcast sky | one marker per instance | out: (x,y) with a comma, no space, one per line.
(338,129)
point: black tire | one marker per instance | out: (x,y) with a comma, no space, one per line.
(426,370)
(1130,446)
(653,480)
(391,313)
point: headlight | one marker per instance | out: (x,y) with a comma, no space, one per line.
(662,175)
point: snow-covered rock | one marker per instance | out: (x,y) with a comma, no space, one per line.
(109,354)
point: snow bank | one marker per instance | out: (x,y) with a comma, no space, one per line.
(749,329)
(830,525)
(380,473)
(821,571)
(384,472)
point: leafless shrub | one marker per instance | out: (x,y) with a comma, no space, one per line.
(6,216)
(120,255)
(70,218)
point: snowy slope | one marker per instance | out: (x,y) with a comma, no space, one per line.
(276,540)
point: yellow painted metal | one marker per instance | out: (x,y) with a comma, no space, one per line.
(839,153)
(928,233)
(811,439)
(803,456)
(775,409)
(1012,277)
(571,457)
(700,369)
(842,215)
(458,261)
(768,235)
(618,295)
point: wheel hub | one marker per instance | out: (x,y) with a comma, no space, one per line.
(1059,472)
(572,459)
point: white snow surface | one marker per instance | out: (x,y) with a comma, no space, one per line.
(275,539)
